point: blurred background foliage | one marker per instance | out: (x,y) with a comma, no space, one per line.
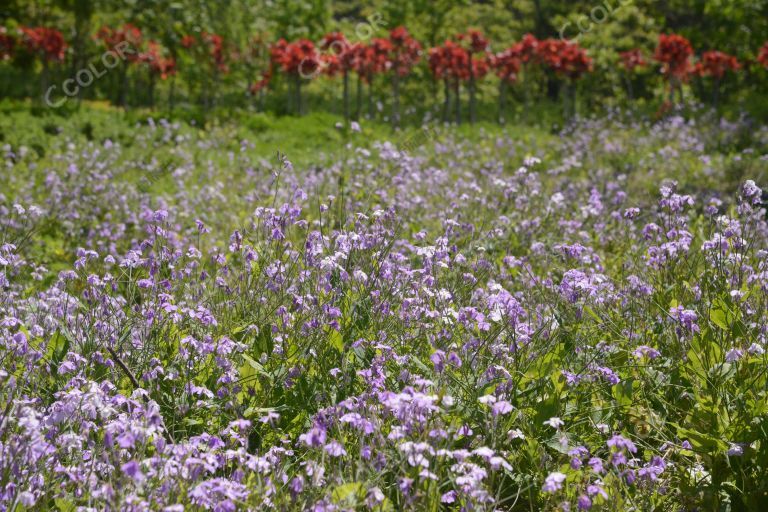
(738,27)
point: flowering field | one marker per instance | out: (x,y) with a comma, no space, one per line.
(519,321)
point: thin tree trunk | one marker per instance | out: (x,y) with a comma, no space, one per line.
(123,86)
(346,96)
(151,90)
(172,93)
(574,100)
(370,97)
(502,100)
(628,81)
(395,99)
(457,100)
(447,101)
(472,104)
(359,99)
(44,79)
(299,105)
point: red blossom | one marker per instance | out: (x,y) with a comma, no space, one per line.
(330,63)
(507,65)
(449,61)
(158,63)
(343,56)
(116,39)
(564,58)
(526,50)
(405,51)
(216,50)
(715,64)
(261,84)
(674,52)
(632,59)
(762,57)
(372,59)
(47,42)
(297,58)
(477,43)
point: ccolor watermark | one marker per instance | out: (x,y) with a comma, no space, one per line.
(85,77)
(415,140)
(597,16)
(152,177)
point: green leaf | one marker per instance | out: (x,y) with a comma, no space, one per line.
(64,505)
(348,494)
(336,340)
(251,368)
(701,441)
(719,316)
(592,313)
(57,349)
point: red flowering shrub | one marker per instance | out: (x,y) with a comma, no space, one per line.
(449,61)
(525,50)
(476,46)
(299,58)
(127,40)
(506,64)
(405,51)
(632,59)
(261,84)
(335,42)
(46,42)
(715,64)
(762,57)
(341,56)
(476,41)
(158,63)
(674,52)
(188,41)
(564,58)
(213,45)
(216,50)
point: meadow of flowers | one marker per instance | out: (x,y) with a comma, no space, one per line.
(513,322)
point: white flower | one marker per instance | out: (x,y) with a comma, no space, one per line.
(531,161)
(487,399)
(554,482)
(554,422)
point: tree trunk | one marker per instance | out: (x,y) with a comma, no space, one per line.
(151,90)
(122,92)
(447,101)
(44,79)
(395,100)
(472,104)
(172,93)
(370,97)
(299,105)
(346,96)
(359,99)
(457,100)
(502,100)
